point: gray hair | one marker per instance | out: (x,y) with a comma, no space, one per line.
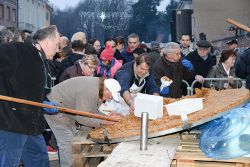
(45,32)
(90,58)
(169,47)
(133,35)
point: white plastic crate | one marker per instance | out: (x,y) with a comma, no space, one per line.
(185,106)
(151,104)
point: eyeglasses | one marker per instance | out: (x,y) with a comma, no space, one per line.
(92,68)
(203,49)
(174,53)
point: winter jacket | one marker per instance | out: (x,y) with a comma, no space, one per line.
(69,61)
(219,72)
(201,66)
(127,56)
(126,77)
(174,71)
(117,65)
(22,75)
(70,72)
(243,67)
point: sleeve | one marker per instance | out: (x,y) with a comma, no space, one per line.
(211,74)
(188,74)
(86,100)
(157,74)
(65,75)
(124,79)
(151,86)
(241,66)
(90,106)
(8,59)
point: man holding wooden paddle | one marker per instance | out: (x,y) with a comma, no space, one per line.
(80,94)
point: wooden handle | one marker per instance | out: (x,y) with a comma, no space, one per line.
(66,110)
(238,25)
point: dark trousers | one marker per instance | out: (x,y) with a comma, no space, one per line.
(29,149)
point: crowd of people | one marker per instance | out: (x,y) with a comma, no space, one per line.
(95,79)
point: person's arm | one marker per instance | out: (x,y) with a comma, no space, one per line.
(241,66)
(124,79)
(211,74)
(129,100)
(151,87)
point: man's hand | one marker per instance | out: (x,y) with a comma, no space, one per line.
(231,79)
(113,115)
(50,110)
(131,106)
(199,78)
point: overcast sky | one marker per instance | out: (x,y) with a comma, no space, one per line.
(62,4)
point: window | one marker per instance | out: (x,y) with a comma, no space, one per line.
(47,16)
(1,11)
(14,15)
(8,13)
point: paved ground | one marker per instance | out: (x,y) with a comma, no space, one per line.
(54,160)
(54,164)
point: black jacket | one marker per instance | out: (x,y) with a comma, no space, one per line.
(201,66)
(69,61)
(175,71)
(22,75)
(243,67)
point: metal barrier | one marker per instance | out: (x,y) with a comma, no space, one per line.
(240,83)
(189,88)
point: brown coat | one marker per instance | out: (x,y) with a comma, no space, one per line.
(70,72)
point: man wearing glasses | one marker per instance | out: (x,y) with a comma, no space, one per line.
(136,77)
(171,65)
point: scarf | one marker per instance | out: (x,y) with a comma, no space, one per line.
(106,68)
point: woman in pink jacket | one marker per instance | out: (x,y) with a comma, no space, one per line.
(108,64)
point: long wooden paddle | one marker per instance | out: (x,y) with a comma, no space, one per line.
(62,109)
(238,25)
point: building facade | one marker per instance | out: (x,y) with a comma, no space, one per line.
(209,16)
(33,14)
(8,13)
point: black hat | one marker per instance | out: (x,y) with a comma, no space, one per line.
(232,41)
(204,44)
(139,51)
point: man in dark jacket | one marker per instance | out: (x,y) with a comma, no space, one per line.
(133,43)
(24,74)
(243,67)
(135,77)
(202,61)
(172,66)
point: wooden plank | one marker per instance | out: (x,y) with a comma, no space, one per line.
(78,158)
(202,157)
(189,154)
(191,163)
(93,162)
